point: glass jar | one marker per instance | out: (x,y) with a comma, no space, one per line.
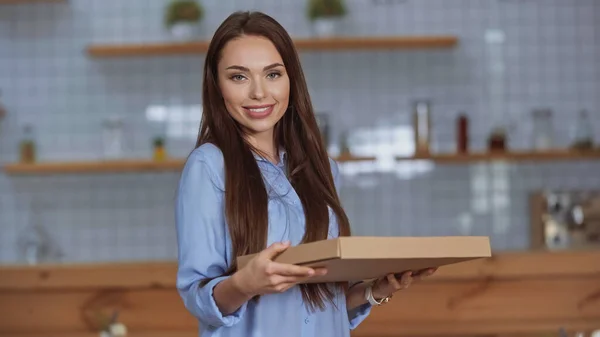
(542,129)
(27,146)
(583,135)
(112,134)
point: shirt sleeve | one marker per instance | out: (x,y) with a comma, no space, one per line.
(360,313)
(202,242)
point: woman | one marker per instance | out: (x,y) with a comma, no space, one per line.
(259,181)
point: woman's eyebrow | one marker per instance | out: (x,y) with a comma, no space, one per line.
(270,66)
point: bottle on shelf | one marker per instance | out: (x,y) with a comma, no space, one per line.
(2,108)
(462,133)
(27,145)
(497,140)
(2,113)
(422,126)
(344,146)
(583,134)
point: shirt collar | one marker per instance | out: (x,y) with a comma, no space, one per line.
(282,157)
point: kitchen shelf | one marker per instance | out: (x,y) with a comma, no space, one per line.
(123,166)
(114,166)
(109,166)
(331,44)
(524,156)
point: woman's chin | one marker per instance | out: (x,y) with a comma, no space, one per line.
(260,127)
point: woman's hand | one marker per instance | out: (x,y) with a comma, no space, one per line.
(391,283)
(263,276)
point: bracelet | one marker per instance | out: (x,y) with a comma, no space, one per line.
(369,296)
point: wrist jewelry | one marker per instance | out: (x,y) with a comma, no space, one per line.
(369,296)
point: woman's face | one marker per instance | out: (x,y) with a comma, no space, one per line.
(254,84)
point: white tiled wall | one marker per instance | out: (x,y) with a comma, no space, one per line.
(548,58)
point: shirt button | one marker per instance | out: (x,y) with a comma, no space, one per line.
(306,321)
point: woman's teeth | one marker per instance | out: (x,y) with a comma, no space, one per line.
(259,109)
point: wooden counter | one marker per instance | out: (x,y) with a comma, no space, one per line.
(520,293)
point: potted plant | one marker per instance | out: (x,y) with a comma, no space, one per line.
(160,152)
(182,18)
(325,15)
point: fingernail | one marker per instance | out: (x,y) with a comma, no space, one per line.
(311,272)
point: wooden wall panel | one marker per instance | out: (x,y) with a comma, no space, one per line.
(95,275)
(473,307)
(516,293)
(54,311)
(459,304)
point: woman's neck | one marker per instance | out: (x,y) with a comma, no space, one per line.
(265,143)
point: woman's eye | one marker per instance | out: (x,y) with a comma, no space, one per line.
(274,75)
(237,77)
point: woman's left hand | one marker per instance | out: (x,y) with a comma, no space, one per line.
(391,283)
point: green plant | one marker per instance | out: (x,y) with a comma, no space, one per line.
(158,141)
(183,11)
(326,9)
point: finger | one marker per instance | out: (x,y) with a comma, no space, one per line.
(406,280)
(393,281)
(283,287)
(294,279)
(418,274)
(278,280)
(424,273)
(282,283)
(275,249)
(291,270)
(320,271)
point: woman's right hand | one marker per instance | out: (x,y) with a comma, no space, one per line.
(264,276)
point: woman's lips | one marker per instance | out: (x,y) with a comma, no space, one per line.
(259,111)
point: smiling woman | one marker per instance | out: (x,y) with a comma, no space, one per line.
(255,86)
(259,181)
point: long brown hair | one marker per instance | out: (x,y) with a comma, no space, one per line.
(297,132)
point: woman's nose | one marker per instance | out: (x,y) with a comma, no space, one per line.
(257,91)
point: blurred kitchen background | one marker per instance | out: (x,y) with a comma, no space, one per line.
(101,101)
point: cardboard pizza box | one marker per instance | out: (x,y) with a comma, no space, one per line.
(359,258)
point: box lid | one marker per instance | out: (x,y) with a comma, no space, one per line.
(362,257)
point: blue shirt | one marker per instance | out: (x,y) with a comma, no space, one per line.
(204,251)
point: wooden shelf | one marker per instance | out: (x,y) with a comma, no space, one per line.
(366,42)
(345,158)
(116,166)
(124,166)
(555,155)
(338,43)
